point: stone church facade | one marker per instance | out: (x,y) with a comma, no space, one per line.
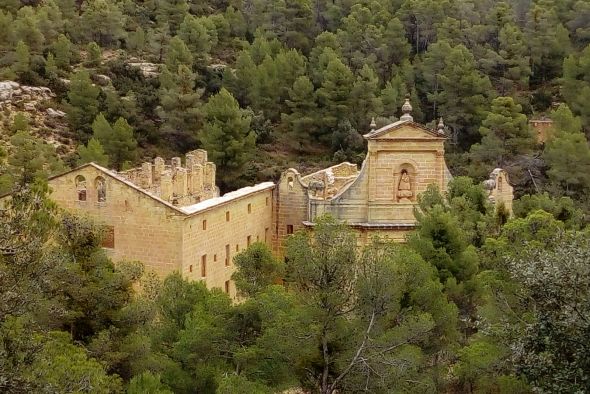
(171,217)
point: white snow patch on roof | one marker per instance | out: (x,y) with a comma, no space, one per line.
(211,202)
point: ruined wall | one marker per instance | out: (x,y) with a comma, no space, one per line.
(143,229)
(291,208)
(214,235)
(175,183)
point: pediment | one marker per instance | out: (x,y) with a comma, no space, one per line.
(404,130)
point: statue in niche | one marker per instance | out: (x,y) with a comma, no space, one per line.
(404,188)
(101,189)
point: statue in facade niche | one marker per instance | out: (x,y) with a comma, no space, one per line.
(404,189)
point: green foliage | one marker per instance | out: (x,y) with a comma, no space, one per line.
(93,152)
(226,136)
(505,136)
(82,104)
(20,122)
(94,54)
(118,142)
(256,269)
(147,383)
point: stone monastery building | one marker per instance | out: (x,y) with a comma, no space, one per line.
(171,217)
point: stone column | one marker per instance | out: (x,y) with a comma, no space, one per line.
(166,186)
(197,178)
(179,183)
(159,167)
(146,175)
(209,177)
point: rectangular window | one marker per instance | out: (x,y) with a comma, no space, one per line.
(227,256)
(248,240)
(227,286)
(204,265)
(190,268)
(266,201)
(266,235)
(237,247)
(227,216)
(289,229)
(214,257)
(249,208)
(204,224)
(108,237)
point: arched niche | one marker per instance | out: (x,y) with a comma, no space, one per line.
(405,183)
(101,189)
(80,182)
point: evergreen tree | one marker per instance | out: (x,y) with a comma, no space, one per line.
(576,84)
(568,156)
(94,54)
(82,104)
(180,109)
(334,93)
(178,54)
(50,67)
(27,30)
(505,135)
(196,36)
(226,136)
(20,122)
(364,98)
(171,13)
(22,64)
(62,49)
(93,152)
(515,68)
(118,142)
(302,121)
(103,22)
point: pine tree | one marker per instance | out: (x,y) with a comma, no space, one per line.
(82,105)
(20,122)
(180,109)
(94,54)
(226,136)
(576,84)
(178,54)
(334,93)
(364,98)
(506,135)
(568,155)
(118,141)
(171,12)
(302,121)
(27,30)
(515,60)
(22,65)
(62,49)
(93,152)
(50,67)
(102,21)
(197,39)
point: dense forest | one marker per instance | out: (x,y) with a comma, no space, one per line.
(474,302)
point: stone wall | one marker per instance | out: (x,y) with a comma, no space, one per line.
(175,183)
(144,229)
(221,231)
(291,207)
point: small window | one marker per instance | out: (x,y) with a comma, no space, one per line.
(257,238)
(227,286)
(227,256)
(266,235)
(214,257)
(81,187)
(204,224)
(289,229)
(101,189)
(204,265)
(237,247)
(249,208)
(190,268)
(266,202)
(227,216)
(108,237)
(248,240)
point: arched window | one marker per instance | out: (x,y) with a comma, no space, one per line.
(81,187)
(101,189)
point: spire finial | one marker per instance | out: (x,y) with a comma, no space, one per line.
(373,124)
(407,110)
(441,127)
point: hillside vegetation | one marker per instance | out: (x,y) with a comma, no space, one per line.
(476,301)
